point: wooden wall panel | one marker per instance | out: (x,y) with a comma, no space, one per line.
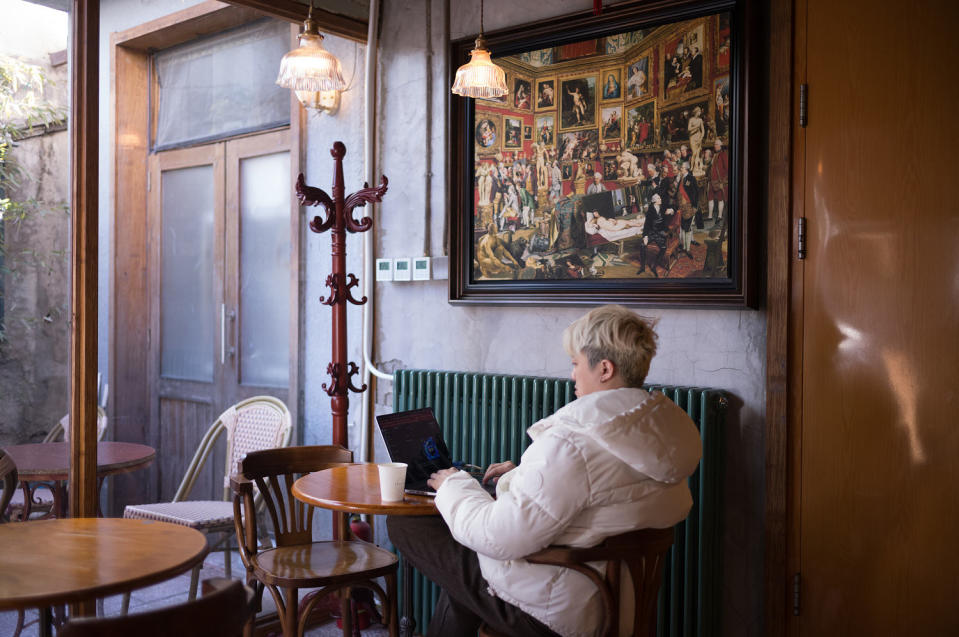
(878,506)
(131,309)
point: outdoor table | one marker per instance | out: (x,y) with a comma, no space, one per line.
(50,462)
(52,562)
(356,489)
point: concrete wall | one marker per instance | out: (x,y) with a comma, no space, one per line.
(34,371)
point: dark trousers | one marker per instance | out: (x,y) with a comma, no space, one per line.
(464,602)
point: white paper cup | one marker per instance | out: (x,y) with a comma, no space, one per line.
(392,480)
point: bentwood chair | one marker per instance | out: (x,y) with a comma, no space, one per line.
(643,552)
(8,481)
(297,561)
(223,611)
(41,505)
(8,484)
(261,422)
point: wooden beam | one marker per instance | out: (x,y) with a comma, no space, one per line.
(83,241)
(185,25)
(328,22)
(778,298)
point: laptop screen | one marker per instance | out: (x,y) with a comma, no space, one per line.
(414,437)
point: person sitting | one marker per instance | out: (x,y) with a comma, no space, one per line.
(614,460)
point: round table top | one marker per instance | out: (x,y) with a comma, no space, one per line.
(51,460)
(51,562)
(356,489)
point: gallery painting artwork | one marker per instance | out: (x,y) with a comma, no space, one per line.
(615,170)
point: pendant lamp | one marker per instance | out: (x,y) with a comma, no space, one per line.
(480,77)
(310,69)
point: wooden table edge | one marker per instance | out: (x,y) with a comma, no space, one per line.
(105,590)
(410,505)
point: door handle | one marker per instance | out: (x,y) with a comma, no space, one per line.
(223,349)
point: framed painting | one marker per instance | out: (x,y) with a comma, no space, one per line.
(488,133)
(641,126)
(619,190)
(545,129)
(546,94)
(683,62)
(512,132)
(577,103)
(522,93)
(638,77)
(612,118)
(612,80)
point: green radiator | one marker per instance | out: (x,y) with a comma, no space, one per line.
(484,418)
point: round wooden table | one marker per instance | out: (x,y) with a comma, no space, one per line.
(53,562)
(356,489)
(50,462)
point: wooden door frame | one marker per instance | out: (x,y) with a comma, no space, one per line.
(783,321)
(129,334)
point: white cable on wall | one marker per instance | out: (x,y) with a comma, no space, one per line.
(369,142)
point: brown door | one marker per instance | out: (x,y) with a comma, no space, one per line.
(222,278)
(878,503)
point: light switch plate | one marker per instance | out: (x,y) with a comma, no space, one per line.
(402,269)
(421,268)
(384,269)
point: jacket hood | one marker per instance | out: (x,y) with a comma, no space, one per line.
(649,432)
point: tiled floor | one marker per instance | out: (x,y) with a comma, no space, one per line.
(170,592)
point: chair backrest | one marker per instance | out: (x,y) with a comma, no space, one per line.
(643,552)
(8,481)
(274,471)
(223,610)
(261,422)
(62,428)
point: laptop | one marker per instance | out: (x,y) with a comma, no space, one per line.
(414,437)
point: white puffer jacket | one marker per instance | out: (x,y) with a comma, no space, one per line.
(610,462)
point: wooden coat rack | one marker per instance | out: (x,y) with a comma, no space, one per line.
(339,218)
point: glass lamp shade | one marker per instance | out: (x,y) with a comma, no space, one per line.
(480,77)
(310,67)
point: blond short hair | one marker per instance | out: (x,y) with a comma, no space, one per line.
(613,333)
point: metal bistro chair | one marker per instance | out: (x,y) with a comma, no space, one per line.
(223,611)
(42,501)
(297,561)
(261,422)
(643,552)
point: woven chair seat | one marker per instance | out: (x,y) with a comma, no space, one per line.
(203,515)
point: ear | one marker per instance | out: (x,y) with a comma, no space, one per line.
(608,368)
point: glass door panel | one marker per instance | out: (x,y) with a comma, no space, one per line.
(264,308)
(187,273)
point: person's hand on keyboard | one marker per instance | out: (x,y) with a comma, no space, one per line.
(495,470)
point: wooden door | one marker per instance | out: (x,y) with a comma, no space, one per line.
(876,505)
(223,287)
(187,273)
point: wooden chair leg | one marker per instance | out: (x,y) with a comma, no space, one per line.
(125,604)
(194,581)
(346,612)
(391,605)
(290,618)
(21,616)
(227,562)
